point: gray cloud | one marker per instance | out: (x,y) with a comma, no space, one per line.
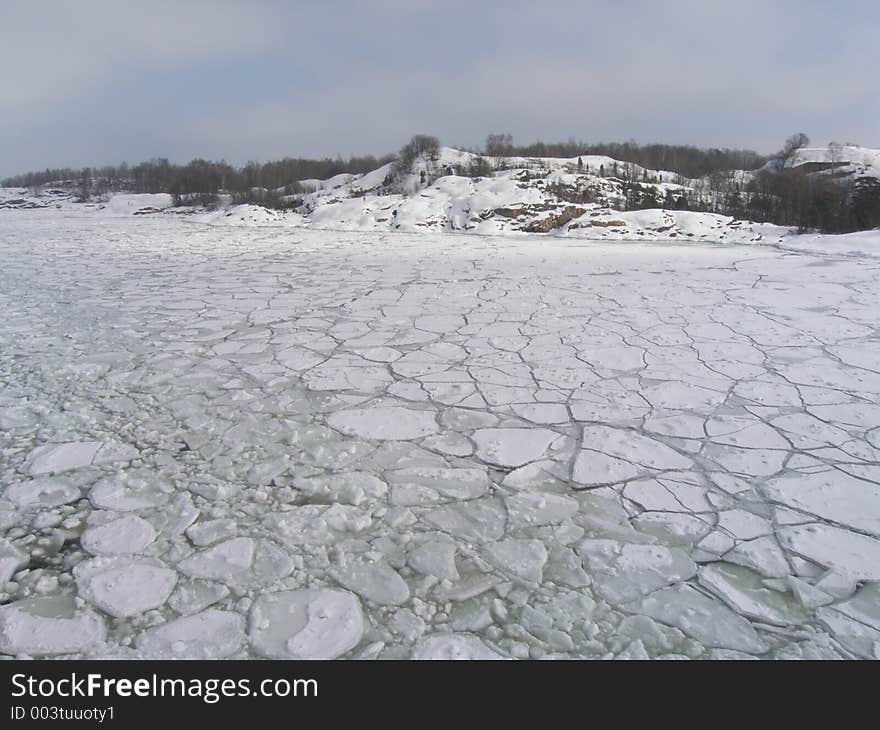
(96,81)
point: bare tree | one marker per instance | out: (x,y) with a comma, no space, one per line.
(85,185)
(792,145)
(835,156)
(499,145)
(420,145)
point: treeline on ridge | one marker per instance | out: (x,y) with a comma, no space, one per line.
(198,182)
(266,182)
(686,160)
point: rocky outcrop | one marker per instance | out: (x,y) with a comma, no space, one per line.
(557,220)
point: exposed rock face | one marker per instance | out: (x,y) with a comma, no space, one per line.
(509,212)
(557,220)
(610,224)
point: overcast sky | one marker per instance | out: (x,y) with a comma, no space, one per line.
(101,81)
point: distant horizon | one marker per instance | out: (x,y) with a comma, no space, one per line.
(476,149)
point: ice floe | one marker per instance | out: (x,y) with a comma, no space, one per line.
(321,623)
(427,447)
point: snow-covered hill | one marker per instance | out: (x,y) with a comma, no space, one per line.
(843,159)
(458,191)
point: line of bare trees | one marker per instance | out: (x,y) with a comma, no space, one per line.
(199,181)
(808,196)
(687,160)
(792,197)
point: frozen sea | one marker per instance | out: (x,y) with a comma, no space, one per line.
(232,442)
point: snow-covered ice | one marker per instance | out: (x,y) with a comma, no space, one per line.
(127,534)
(453,647)
(211,634)
(49,625)
(222,441)
(306,624)
(123,587)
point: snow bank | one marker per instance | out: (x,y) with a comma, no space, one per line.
(129,203)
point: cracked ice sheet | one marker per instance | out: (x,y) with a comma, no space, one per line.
(220,443)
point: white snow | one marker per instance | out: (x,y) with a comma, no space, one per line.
(523,559)
(306,624)
(850,552)
(624,572)
(211,634)
(128,534)
(229,558)
(832,495)
(42,491)
(62,457)
(456,484)
(846,158)
(124,587)
(747,594)
(539,508)
(434,557)
(55,458)
(374,581)
(131,490)
(708,621)
(393,423)
(128,203)
(512,447)
(11,559)
(453,647)
(49,625)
